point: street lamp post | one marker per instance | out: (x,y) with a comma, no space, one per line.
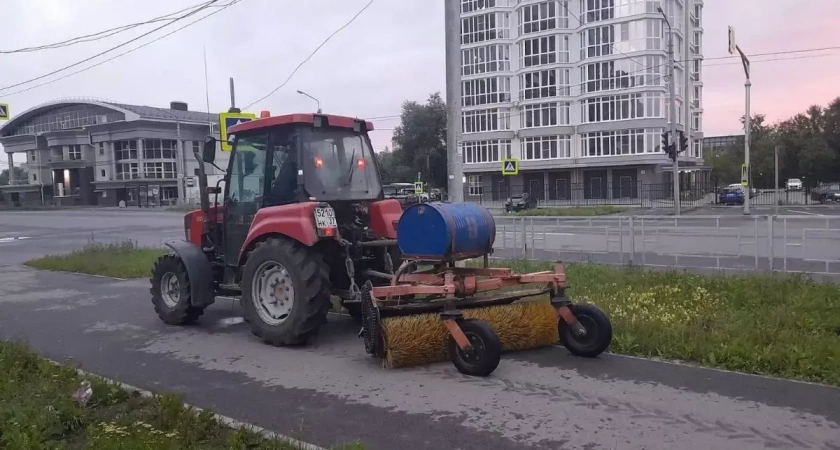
(313,98)
(673,112)
(745,177)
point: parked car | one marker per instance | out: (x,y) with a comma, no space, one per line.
(732,195)
(826,192)
(738,186)
(793,184)
(520,202)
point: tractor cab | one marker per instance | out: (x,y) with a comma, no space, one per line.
(300,158)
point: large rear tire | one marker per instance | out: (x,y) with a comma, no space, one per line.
(171,292)
(285,292)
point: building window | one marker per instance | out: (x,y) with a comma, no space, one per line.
(160,148)
(127,171)
(544,84)
(74,152)
(474,185)
(102,173)
(600,10)
(483,91)
(544,50)
(597,42)
(622,107)
(476,5)
(696,121)
(543,16)
(159,170)
(101,149)
(35,178)
(621,142)
(125,150)
(493,150)
(32,155)
(622,74)
(481,120)
(546,147)
(545,114)
(485,27)
(485,59)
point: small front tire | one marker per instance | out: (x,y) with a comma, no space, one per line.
(171,293)
(483,359)
(598,331)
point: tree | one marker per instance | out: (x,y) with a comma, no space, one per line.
(20,174)
(420,139)
(390,168)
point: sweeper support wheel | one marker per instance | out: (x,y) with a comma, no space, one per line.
(473,347)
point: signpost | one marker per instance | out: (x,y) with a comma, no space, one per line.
(229,119)
(510,166)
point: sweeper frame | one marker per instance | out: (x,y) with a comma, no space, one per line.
(474,347)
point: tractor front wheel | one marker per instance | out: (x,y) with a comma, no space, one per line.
(285,292)
(171,292)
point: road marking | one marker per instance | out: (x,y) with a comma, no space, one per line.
(17,238)
(805,212)
(548,233)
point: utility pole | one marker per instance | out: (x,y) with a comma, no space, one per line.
(453,99)
(182,173)
(776,158)
(672,88)
(233,107)
(733,47)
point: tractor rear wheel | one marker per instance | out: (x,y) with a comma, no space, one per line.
(285,292)
(171,292)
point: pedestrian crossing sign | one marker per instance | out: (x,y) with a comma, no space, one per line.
(510,166)
(4,111)
(229,119)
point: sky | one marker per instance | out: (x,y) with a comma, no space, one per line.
(391,53)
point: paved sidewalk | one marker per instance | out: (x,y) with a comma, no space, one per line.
(331,392)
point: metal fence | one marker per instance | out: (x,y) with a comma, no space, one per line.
(559,193)
(801,244)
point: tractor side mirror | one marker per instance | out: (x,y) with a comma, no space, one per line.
(209,151)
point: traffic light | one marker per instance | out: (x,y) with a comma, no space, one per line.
(667,146)
(683,142)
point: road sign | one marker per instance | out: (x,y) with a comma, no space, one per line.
(229,119)
(418,187)
(745,179)
(732,45)
(4,111)
(510,166)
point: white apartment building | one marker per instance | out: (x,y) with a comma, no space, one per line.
(577,90)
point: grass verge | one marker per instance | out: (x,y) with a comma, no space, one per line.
(37,411)
(567,212)
(784,326)
(121,260)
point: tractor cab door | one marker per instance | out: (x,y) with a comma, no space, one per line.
(245,190)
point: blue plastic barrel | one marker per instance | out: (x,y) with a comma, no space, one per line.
(445,232)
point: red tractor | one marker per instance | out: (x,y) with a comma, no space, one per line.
(302,218)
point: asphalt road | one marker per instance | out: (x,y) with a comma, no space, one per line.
(732,242)
(331,391)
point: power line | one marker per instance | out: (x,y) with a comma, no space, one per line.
(98,35)
(221,8)
(312,54)
(204,6)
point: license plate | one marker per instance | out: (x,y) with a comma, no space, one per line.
(325,218)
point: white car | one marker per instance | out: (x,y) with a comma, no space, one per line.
(793,184)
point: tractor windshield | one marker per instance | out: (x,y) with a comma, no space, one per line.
(340,165)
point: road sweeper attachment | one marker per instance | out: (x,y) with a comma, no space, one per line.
(433,311)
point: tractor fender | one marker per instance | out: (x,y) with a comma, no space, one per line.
(198,270)
(295,221)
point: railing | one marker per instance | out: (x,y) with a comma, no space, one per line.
(785,243)
(563,194)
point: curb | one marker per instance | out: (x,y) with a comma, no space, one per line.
(225,420)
